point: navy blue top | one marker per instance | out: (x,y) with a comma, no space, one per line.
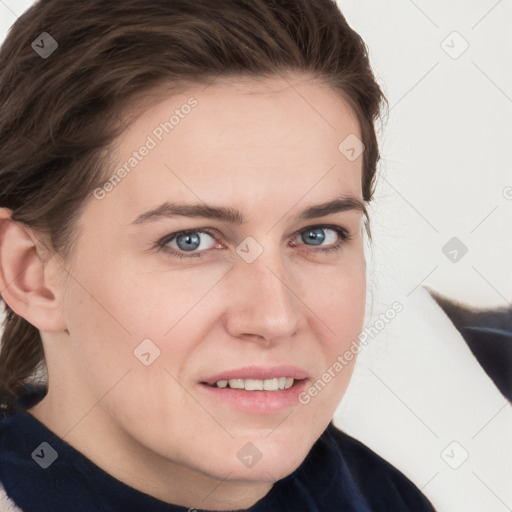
(339,474)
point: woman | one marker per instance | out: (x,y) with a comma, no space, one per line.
(183,189)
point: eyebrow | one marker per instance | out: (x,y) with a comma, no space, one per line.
(233,216)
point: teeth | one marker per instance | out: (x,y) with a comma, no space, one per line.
(236,383)
(253,385)
(276,384)
(271,384)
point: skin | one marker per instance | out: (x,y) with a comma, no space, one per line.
(269,150)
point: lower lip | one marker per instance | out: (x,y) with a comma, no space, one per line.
(257,401)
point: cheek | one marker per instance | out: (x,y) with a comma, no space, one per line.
(336,296)
(151,299)
(112,311)
(339,306)
(346,304)
(100,340)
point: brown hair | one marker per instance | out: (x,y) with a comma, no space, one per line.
(60,113)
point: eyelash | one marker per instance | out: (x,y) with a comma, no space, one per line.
(344,237)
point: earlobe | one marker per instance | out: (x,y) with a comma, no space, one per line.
(25,282)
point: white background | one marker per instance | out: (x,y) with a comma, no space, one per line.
(447,143)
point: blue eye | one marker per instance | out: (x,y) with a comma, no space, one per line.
(333,236)
(197,242)
(189,241)
(315,236)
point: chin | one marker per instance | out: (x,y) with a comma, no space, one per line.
(269,468)
(249,458)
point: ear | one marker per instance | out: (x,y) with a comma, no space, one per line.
(28,276)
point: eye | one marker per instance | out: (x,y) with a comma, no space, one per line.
(322,238)
(196,242)
(191,242)
(317,236)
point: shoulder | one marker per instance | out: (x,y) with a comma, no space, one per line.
(13,432)
(382,485)
(6,504)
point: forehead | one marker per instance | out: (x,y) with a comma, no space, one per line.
(239,141)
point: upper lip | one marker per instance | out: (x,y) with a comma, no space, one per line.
(259,373)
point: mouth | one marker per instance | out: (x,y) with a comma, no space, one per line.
(275,384)
(257,389)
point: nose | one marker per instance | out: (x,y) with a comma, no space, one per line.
(264,304)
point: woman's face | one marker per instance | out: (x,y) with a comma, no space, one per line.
(262,287)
